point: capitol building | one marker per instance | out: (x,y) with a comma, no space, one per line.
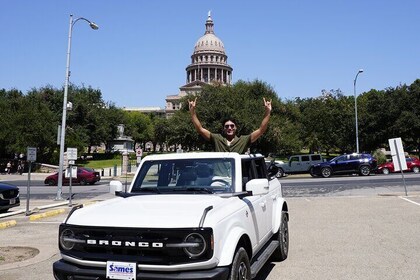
(208,65)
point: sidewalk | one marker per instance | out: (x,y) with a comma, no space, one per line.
(42,176)
(24,176)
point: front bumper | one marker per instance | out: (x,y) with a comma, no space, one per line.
(5,203)
(62,270)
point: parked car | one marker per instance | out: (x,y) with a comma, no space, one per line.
(413,165)
(361,164)
(9,197)
(85,175)
(298,164)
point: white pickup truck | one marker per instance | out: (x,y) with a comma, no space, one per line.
(184,216)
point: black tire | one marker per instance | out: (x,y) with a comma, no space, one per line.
(83,182)
(51,182)
(280,254)
(416,169)
(280,173)
(326,172)
(241,268)
(364,170)
(311,171)
(385,171)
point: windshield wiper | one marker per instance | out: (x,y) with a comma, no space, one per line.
(194,189)
(148,189)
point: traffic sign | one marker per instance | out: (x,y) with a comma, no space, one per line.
(72,153)
(31,154)
(139,152)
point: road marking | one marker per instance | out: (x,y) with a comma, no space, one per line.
(46,214)
(7,224)
(406,199)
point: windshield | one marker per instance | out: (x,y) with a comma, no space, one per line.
(186,176)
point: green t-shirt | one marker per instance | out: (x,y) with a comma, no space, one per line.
(238,145)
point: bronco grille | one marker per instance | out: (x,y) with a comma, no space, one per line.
(141,245)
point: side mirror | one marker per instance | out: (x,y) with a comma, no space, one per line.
(257,186)
(115,186)
(272,170)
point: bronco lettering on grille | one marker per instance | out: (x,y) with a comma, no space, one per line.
(119,243)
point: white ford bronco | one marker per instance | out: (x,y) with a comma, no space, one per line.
(184,216)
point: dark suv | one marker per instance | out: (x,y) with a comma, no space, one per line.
(362,164)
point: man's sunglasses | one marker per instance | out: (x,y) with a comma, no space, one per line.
(229,126)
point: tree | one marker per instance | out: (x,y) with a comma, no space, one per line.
(242,101)
(139,126)
(160,131)
(327,122)
(28,124)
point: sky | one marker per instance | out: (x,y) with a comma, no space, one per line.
(138,55)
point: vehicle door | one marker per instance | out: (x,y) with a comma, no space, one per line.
(268,200)
(409,162)
(354,162)
(315,159)
(305,163)
(294,164)
(257,204)
(341,164)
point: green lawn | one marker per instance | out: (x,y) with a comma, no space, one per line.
(106,163)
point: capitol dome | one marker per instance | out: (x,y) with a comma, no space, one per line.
(209,60)
(209,43)
(208,65)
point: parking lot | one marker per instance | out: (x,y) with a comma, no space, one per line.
(335,237)
(375,237)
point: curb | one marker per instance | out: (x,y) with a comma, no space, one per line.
(7,224)
(46,214)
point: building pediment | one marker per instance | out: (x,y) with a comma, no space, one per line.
(192,85)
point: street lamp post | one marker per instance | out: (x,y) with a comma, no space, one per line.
(66,88)
(355,109)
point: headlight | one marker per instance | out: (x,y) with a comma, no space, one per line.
(67,239)
(195,245)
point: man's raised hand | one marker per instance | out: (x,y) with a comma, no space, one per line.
(267,104)
(192,104)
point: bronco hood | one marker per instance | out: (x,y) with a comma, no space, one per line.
(152,211)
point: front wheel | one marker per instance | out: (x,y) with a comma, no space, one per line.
(280,254)
(241,268)
(311,171)
(364,170)
(416,169)
(326,172)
